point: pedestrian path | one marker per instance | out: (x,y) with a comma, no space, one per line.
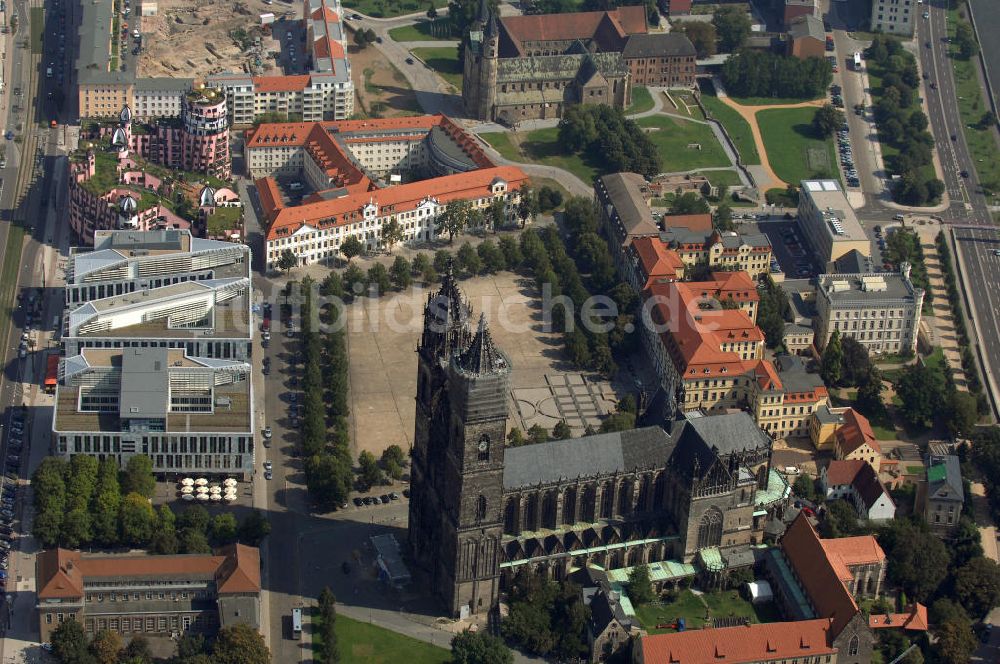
(765,175)
(944,333)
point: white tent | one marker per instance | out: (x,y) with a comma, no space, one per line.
(187,481)
(188,496)
(760,591)
(187,489)
(229,481)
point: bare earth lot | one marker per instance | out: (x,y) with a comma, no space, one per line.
(381,89)
(382,340)
(189,38)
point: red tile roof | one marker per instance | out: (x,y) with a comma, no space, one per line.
(403,198)
(851,551)
(694,222)
(740,645)
(821,578)
(61,573)
(914,620)
(843,472)
(574,25)
(657,261)
(855,432)
(694,334)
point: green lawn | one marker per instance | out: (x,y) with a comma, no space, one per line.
(722,604)
(794,151)
(672,138)
(362,642)
(438,29)
(542,146)
(390,8)
(722,178)
(971,107)
(37,29)
(642,101)
(443,60)
(500,141)
(737,128)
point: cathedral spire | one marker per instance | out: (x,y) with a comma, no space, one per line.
(482,356)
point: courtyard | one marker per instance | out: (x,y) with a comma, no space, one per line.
(382,339)
(698,608)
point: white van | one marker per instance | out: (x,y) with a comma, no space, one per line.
(295,186)
(48,72)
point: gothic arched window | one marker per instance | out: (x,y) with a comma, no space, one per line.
(481,508)
(484,448)
(710,529)
(854,646)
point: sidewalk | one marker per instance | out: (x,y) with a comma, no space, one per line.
(942,323)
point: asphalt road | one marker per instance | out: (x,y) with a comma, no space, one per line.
(986,14)
(967,204)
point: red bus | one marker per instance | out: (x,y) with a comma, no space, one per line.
(51,373)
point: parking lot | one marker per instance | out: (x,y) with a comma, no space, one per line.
(844,141)
(790,253)
(289,41)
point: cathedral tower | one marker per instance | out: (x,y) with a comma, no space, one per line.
(456,481)
(480,67)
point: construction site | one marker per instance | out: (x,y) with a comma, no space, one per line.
(193,38)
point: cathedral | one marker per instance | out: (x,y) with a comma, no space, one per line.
(480,511)
(532,67)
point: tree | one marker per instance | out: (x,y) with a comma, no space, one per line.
(106,646)
(394,453)
(453,219)
(378,277)
(733,27)
(468,259)
(977,586)
(804,487)
(254,528)
(827,120)
(351,247)
(922,390)
(833,360)
(81,480)
(723,218)
(965,39)
(515,438)
(330,653)
(840,520)
(361,38)
(371,474)
(194,517)
(639,586)
(137,651)
(918,561)
(869,400)
(856,365)
(224,528)
(689,203)
(138,476)
(618,422)
(962,412)
(442,260)
(537,434)
(400,273)
(69,643)
(240,644)
(77,529)
(561,431)
(955,642)
(137,520)
(702,35)
(432,11)
(491,256)
(496,215)
(287,260)
(354,280)
(392,233)
(47,527)
(328,479)
(479,648)
(194,541)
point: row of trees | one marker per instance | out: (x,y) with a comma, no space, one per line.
(846,363)
(903,245)
(325,435)
(325,622)
(972,381)
(621,420)
(751,73)
(901,123)
(236,644)
(609,138)
(84,502)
